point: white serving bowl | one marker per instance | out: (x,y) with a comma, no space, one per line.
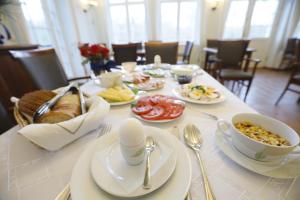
(129,66)
(258,150)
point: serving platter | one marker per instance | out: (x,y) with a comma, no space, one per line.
(220,99)
(286,168)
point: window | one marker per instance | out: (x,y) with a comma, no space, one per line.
(262,18)
(297,31)
(236,17)
(44,28)
(178,20)
(259,23)
(36,22)
(128,20)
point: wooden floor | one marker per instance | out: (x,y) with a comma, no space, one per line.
(266,88)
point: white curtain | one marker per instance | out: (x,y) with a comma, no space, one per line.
(287,19)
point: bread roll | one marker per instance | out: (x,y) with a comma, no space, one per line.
(31,101)
(66,108)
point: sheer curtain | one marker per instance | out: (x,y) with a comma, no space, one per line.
(286,24)
(44,28)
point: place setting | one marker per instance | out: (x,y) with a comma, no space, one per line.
(132,161)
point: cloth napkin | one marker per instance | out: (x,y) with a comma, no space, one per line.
(130,178)
(54,136)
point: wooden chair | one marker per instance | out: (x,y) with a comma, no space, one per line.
(44,67)
(14,80)
(125,52)
(167,51)
(211,43)
(229,63)
(289,53)
(295,75)
(187,53)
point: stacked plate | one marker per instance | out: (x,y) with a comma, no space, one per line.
(102,173)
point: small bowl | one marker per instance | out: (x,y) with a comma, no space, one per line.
(184,79)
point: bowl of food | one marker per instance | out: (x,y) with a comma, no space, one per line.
(260,137)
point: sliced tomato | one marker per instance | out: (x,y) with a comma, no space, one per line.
(143,101)
(176,111)
(154,114)
(140,110)
(156,99)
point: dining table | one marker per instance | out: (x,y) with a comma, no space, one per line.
(28,172)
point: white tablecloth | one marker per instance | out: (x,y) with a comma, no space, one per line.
(30,173)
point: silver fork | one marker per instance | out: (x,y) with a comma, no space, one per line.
(65,194)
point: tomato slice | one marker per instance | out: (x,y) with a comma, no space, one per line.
(176,111)
(154,114)
(140,110)
(156,99)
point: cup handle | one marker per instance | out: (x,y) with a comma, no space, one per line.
(224,127)
(296,150)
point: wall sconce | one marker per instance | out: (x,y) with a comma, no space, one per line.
(87,4)
(214,4)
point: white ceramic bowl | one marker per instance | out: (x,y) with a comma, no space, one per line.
(255,149)
(129,66)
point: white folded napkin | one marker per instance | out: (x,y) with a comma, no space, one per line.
(130,178)
(54,136)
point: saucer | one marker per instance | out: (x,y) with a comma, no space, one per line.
(286,168)
(83,186)
(112,174)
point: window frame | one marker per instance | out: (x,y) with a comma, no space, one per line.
(249,15)
(126,3)
(158,21)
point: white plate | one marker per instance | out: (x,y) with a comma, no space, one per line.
(83,186)
(162,66)
(151,88)
(155,121)
(187,99)
(122,102)
(285,168)
(112,174)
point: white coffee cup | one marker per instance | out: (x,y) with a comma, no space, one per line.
(258,150)
(111,79)
(129,66)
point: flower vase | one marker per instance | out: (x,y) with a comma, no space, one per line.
(98,67)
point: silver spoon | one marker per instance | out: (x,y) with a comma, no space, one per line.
(193,139)
(150,146)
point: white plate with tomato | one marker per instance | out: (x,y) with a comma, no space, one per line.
(158,108)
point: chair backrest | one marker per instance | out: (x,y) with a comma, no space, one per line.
(6,122)
(232,52)
(187,52)
(43,66)
(297,51)
(212,43)
(125,52)
(167,51)
(291,46)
